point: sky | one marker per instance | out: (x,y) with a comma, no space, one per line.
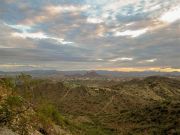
(120,35)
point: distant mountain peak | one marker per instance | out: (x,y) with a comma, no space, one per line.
(91,74)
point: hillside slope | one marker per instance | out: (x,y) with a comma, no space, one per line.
(139,106)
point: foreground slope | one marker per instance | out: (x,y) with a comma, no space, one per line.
(139,106)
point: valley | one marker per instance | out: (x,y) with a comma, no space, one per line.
(149,105)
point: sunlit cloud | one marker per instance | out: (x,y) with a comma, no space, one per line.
(94,20)
(34,35)
(151,60)
(121,59)
(14,65)
(49,12)
(115,5)
(153,8)
(131,33)
(101,31)
(52,9)
(130,24)
(99,59)
(142,69)
(39,36)
(171,16)
(36,19)
(148,61)
(19,27)
(109,10)
(4,47)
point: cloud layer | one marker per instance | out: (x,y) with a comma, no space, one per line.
(129,35)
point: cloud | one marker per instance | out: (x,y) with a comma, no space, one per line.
(36,19)
(40,36)
(24,35)
(151,60)
(1,46)
(148,61)
(89,34)
(52,9)
(131,33)
(51,12)
(99,59)
(22,67)
(130,24)
(115,5)
(19,27)
(9,42)
(111,11)
(18,65)
(153,8)
(34,35)
(94,20)
(101,30)
(121,59)
(142,69)
(171,16)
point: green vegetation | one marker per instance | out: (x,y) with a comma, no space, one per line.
(49,114)
(158,118)
(150,106)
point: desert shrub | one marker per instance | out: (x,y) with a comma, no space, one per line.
(8,84)
(10,108)
(14,101)
(49,113)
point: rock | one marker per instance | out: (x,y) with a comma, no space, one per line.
(60,131)
(6,131)
(83,119)
(36,133)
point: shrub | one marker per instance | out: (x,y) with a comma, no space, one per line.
(8,84)
(10,108)
(49,113)
(14,101)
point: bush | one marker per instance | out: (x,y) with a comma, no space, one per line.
(10,108)
(8,84)
(14,101)
(49,113)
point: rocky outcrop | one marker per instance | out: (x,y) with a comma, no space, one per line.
(6,131)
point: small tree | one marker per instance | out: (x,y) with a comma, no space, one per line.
(24,81)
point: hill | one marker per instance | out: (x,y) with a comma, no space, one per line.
(139,106)
(85,73)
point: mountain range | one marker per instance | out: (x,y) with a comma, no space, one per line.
(94,73)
